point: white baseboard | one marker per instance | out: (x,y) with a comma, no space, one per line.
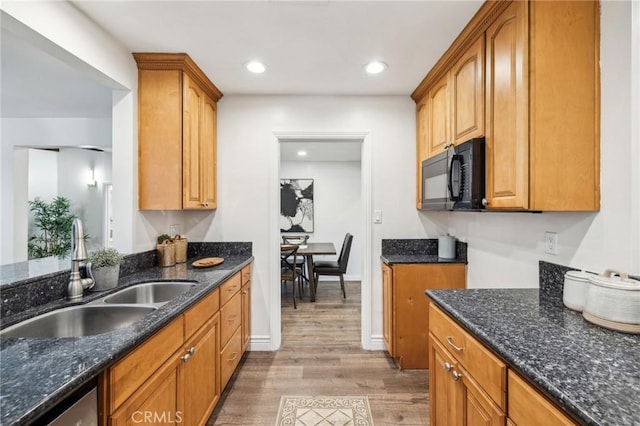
(260,343)
(376,343)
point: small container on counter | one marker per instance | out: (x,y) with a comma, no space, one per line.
(575,287)
(446,247)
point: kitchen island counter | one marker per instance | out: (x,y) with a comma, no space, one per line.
(591,372)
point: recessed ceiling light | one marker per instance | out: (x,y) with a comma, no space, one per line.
(302,153)
(375,67)
(255,67)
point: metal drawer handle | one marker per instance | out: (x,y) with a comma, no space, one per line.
(244,292)
(186,358)
(450,342)
(456,375)
(234,288)
(232,318)
(235,355)
(191,351)
(447,366)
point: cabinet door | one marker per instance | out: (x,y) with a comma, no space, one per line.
(158,401)
(387,309)
(507,138)
(422,127)
(477,408)
(443,393)
(246,315)
(208,146)
(201,373)
(439,117)
(467,94)
(192,197)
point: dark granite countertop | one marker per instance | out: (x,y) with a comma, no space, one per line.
(591,372)
(393,259)
(38,373)
(396,251)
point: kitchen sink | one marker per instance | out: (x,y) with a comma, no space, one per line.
(77,321)
(151,293)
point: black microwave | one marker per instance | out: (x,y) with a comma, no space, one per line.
(455,179)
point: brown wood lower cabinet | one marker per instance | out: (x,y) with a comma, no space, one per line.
(177,375)
(469,385)
(405,313)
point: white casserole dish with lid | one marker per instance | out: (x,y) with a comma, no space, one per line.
(613,301)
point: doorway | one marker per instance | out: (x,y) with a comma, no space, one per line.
(340,142)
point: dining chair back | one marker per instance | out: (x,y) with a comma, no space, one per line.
(289,271)
(338,267)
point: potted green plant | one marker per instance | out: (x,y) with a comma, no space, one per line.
(166,251)
(105,267)
(53,227)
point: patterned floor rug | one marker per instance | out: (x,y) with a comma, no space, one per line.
(324,411)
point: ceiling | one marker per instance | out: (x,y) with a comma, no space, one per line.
(321,151)
(309,46)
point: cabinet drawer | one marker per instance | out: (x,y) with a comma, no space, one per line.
(488,370)
(230,318)
(230,288)
(527,406)
(133,370)
(195,317)
(230,357)
(246,274)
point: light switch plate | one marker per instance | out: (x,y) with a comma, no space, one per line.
(551,243)
(377,216)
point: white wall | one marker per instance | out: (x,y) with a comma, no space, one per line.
(337,205)
(64,32)
(504,248)
(41,170)
(246,126)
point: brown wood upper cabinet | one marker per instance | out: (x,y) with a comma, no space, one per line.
(177,154)
(539,109)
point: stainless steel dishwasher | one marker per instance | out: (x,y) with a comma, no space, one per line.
(83,413)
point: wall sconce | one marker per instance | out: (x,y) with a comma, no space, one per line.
(91,179)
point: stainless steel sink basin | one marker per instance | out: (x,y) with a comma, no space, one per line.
(77,321)
(156,293)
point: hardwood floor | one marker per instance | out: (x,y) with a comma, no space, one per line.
(321,355)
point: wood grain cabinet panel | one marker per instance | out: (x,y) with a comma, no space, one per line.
(202,373)
(540,102)
(177,147)
(528,407)
(467,94)
(406,308)
(422,144)
(439,130)
(461,391)
(507,142)
(177,375)
(246,306)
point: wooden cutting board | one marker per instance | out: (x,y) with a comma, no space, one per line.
(207,262)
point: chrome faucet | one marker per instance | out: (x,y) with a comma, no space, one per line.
(78,254)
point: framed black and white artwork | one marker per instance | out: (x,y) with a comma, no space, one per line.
(296,205)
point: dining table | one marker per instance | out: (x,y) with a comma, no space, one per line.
(308,251)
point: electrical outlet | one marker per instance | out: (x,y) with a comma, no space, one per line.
(551,243)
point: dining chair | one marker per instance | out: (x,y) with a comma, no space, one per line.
(298,240)
(336,267)
(288,269)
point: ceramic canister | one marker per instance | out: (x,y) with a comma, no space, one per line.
(446,247)
(574,291)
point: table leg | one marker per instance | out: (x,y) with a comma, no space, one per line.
(312,279)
